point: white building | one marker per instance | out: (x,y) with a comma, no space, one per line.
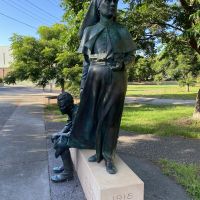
(5,56)
(5,60)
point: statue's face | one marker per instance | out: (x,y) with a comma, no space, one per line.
(108,8)
(65,102)
(62,105)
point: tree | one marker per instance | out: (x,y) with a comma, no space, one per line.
(73,6)
(183,67)
(36,59)
(1,80)
(143,69)
(164,21)
(187,70)
(52,38)
(26,54)
(10,78)
(188,80)
(69,58)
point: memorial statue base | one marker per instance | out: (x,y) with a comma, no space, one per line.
(97,184)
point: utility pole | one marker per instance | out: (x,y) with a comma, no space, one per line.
(4,62)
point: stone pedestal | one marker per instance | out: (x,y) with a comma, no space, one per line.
(97,184)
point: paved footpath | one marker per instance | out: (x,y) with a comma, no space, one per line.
(27,157)
(156,101)
(23,152)
(26,154)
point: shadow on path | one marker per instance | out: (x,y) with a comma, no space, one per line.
(153,147)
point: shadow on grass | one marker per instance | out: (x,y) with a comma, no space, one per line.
(165,120)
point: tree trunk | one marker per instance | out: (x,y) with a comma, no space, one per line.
(51,87)
(196,113)
(62,88)
(62,85)
(188,87)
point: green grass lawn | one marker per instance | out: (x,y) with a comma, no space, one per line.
(162,91)
(166,120)
(188,175)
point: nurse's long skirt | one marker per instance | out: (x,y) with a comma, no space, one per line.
(97,122)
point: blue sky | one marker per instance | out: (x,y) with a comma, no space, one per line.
(33,13)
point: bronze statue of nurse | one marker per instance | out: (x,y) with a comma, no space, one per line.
(107,48)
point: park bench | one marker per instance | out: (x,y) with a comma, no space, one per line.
(49,98)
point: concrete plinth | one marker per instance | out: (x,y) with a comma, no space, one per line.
(97,184)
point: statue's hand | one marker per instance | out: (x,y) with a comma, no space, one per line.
(65,134)
(55,136)
(118,67)
(61,144)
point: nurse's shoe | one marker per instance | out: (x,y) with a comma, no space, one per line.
(110,167)
(92,158)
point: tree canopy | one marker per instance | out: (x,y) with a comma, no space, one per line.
(35,59)
(175,23)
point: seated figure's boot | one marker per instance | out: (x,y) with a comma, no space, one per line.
(92,158)
(67,174)
(110,167)
(62,177)
(58,170)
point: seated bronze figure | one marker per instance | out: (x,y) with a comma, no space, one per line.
(60,140)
